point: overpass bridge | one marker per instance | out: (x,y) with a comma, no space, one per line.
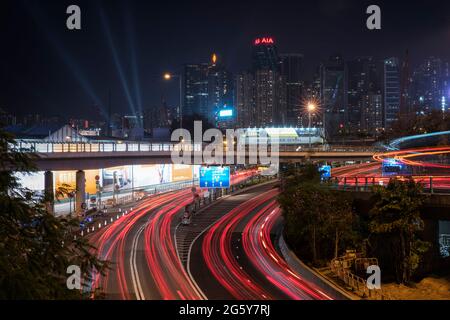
(56,156)
(88,155)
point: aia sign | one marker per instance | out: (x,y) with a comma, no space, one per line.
(267,40)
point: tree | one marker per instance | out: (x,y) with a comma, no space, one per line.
(340,220)
(36,248)
(312,213)
(396,217)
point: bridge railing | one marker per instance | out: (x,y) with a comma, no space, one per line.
(39,146)
(430,184)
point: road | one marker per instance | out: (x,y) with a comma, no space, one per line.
(141,247)
(237,257)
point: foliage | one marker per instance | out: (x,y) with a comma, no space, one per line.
(318,221)
(36,248)
(396,218)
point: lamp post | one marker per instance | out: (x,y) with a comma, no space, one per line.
(311,108)
(168,77)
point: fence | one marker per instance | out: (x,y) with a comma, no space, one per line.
(358,284)
(430,184)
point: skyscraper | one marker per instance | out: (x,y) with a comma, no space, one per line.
(291,70)
(265,54)
(195,91)
(391,91)
(333,95)
(362,81)
(245,100)
(270,92)
(372,113)
(220,88)
(265,96)
(428,85)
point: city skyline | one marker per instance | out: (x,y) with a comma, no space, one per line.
(196,153)
(73,62)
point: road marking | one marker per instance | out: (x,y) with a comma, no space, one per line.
(134,273)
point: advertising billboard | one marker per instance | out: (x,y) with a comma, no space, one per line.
(181,172)
(226,113)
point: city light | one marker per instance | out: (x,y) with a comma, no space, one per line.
(311,107)
(226,113)
(265,40)
(253,151)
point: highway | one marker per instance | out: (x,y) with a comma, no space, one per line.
(141,247)
(237,257)
(429,166)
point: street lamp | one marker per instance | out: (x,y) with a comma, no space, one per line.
(311,108)
(167,77)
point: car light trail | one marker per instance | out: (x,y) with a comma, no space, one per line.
(157,215)
(258,248)
(265,258)
(218,256)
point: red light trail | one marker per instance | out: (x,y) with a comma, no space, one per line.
(217,252)
(165,277)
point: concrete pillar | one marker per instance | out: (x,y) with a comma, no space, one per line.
(49,193)
(80,199)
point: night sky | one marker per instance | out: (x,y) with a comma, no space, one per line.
(125,46)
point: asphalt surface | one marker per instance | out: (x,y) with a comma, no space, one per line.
(238,258)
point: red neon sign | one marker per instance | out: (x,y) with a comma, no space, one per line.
(266,40)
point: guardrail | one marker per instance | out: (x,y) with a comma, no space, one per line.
(430,184)
(131,195)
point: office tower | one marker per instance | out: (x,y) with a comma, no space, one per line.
(265,96)
(362,81)
(291,70)
(270,88)
(220,88)
(195,79)
(333,95)
(265,54)
(428,85)
(245,100)
(391,91)
(372,113)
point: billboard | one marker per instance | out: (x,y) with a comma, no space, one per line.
(226,113)
(181,172)
(214,177)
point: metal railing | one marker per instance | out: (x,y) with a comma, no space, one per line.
(356,283)
(430,184)
(39,146)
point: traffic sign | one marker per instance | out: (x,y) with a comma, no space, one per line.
(215,177)
(325,172)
